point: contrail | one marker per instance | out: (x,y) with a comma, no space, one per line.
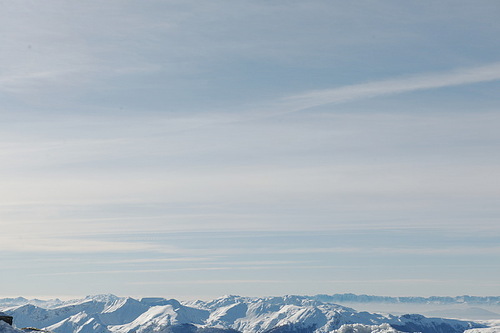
(348,93)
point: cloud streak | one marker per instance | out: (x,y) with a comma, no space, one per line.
(30,244)
(486,73)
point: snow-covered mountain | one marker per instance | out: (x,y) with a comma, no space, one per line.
(469,307)
(9,302)
(442,300)
(6,328)
(229,314)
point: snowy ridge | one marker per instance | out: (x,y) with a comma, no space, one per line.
(288,314)
(10,302)
(493,327)
(6,328)
(360,328)
(353,298)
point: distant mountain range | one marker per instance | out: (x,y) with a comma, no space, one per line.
(229,314)
(353,298)
(335,298)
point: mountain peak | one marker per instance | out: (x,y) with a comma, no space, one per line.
(287,314)
(108,298)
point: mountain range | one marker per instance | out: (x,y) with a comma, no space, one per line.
(228,314)
(441,300)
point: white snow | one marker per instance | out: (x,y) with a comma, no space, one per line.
(6,328)
(494,327)
(360,328)
(110,314)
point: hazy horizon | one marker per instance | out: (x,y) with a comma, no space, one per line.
(482,311)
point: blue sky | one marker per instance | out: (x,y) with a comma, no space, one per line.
(195,149)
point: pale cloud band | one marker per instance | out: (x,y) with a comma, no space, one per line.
(349,93)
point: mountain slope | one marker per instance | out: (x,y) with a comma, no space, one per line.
(288,314)
(353,298)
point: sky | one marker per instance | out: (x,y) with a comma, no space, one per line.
(194,149)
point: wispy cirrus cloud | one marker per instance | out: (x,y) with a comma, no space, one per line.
(33,244)
(222,282)
(348,93)
(418,251)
